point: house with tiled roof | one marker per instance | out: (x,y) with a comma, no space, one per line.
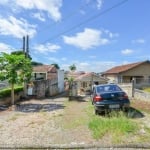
(139,71)
(49,72)
(87,80)
(44,72)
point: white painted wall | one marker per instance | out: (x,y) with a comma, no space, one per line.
(60,80)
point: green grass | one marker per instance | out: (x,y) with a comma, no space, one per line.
(144,138)
(77,122)
(116,124)
(146,89)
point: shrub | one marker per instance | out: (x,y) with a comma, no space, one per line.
(7,92)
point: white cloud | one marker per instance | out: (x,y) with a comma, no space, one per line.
(95,3)
(95,66)
(5,48)
(140,41)
(39,16)
(127,51)
(46,48)
(88,39)
(110,34)
(50,6)
(99,4)
(16,28)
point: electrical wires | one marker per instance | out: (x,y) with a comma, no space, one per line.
(86,21)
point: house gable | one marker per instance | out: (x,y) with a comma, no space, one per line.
(90,77)
(126,73)
(45,72)
(140,70)
(123,68)
(44,68)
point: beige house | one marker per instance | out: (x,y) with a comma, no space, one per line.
(87,80)
(44,72)
(49,72)
(139,71)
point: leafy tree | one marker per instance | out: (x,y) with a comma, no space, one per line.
(56,65)
(21,52)
(17,52)
(34,63)
(72,67)
(15,68)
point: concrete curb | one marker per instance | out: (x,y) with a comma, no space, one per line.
(75,146)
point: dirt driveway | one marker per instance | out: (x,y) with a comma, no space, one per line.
(42,123)
(47,122)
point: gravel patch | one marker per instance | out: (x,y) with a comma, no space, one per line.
(43,123)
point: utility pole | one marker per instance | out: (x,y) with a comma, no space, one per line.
(26,52)
(26,45)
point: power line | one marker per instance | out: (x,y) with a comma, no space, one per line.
(87,20)
(66,17)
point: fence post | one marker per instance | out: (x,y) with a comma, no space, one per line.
(133,86)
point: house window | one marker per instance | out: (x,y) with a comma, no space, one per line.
(84,84)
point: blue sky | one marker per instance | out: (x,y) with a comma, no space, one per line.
(95,35)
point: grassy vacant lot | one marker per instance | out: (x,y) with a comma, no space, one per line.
(115,128)
(59,121)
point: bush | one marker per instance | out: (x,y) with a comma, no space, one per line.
(7,92)
(146,89)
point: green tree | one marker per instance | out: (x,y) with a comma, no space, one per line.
(34,63)
(15,69)
(72,67)
(21,52)
(56,65)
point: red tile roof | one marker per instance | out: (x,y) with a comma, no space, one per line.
(84,75)
(43,68)
(88,74)
(122,68)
